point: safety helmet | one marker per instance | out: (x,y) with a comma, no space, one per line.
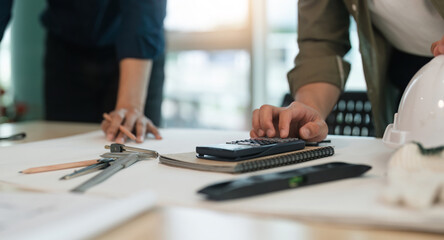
(420,116)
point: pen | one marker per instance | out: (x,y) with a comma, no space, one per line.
(121,128)
(18,136)
(317,143)
(59,166)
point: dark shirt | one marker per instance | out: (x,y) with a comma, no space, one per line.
(5,15)
(134,27)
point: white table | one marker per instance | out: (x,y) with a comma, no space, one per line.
(181,214)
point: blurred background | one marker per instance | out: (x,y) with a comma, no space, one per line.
(224,59)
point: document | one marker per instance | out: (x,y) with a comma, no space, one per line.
(31,215)
(189,160)
(349,201)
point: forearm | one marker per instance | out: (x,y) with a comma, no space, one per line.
(320,96)
(133,83)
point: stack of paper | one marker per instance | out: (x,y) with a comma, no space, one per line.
(65,216)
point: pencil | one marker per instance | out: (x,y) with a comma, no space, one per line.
(121,128)
(59,166)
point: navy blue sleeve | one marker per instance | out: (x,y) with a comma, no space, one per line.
(141,32)
(5,15)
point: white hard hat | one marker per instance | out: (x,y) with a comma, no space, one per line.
(420,116)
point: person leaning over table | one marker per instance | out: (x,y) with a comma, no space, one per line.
(103,56)
(395,38)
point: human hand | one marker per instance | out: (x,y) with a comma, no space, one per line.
(132,120)
(438,47)
(296,120)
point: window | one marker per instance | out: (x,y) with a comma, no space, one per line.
(206,16)
(281,46)
(5,74)
(208,64)
(207,89)
(5,59)
(227,57)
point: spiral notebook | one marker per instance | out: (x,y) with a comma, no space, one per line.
(189,160)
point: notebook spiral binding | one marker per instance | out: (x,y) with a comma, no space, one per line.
(283,160)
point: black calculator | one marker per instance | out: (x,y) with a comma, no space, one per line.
(249,148)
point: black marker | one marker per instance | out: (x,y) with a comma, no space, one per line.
(271,182)
(18,136)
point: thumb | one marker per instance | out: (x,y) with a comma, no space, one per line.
(314,131)
(305,132)
(441,49)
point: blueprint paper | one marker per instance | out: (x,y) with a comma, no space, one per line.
(350,201)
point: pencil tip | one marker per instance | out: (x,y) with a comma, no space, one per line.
(20,171)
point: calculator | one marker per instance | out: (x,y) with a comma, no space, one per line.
(249,148)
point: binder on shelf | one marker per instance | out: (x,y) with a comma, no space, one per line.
(189,160)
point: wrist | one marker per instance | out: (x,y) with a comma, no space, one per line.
(130,106)
(320,96)
(308,100)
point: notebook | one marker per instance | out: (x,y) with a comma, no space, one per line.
(189,160)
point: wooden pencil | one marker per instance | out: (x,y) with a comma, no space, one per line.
(60,166)
(121,128)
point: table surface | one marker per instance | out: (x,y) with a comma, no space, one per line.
(195,223)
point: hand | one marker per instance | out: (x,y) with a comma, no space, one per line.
(438,47)
(296,120)
(132,120)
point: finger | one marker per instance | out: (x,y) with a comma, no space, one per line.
(253,134)
(125,131)
(433,47)
(117,118)
(285,119)
(153,129)
(104,125)
(121,138)
(291,118)
(256,124)
(141,130)
(436,51)
(441,48)
(314,131)
(267,113)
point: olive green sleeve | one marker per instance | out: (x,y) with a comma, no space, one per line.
(323,39)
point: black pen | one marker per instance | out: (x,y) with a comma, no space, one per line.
(18,136)
(265,183)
